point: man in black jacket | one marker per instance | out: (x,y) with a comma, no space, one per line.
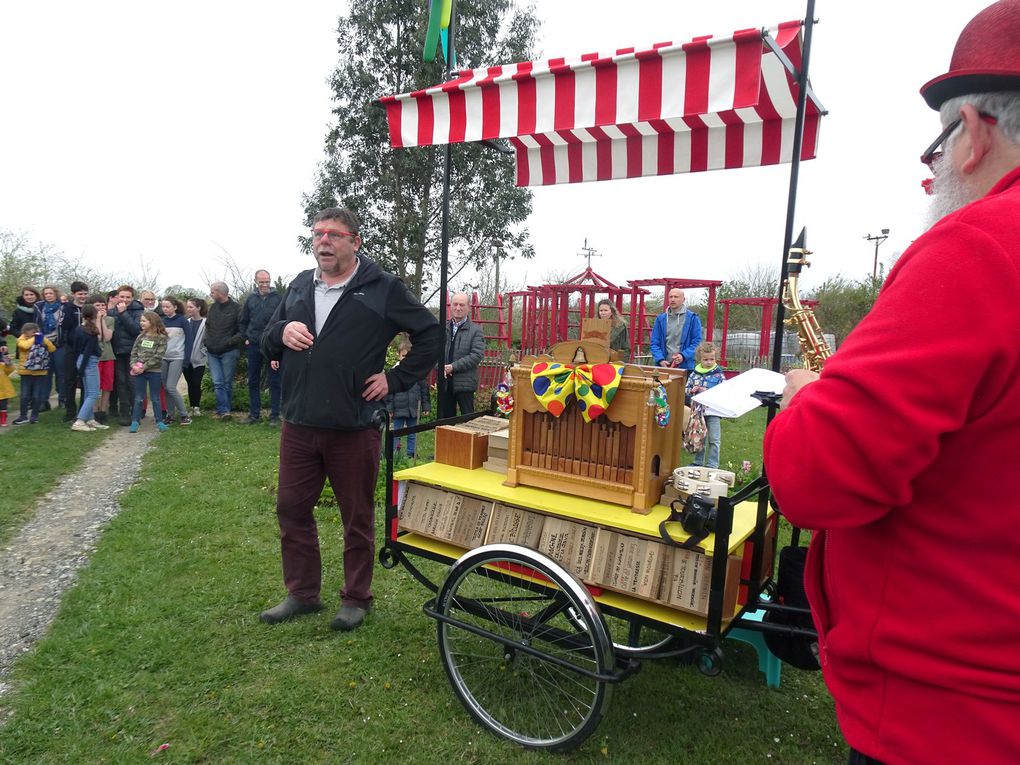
(126,327)
(258,310)
(330,333)
(70,320)
(223,341)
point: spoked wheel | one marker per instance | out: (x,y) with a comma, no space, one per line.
(525,647)
(629,638)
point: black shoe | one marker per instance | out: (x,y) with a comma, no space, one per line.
(348,618)
(125,421)
(288,609)
(250,420)
(45,407)
(274,421)
(69,417)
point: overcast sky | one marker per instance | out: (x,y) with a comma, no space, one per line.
(142,132)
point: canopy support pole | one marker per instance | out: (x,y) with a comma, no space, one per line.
(791,204)
(444,263)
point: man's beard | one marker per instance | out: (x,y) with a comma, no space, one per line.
(951,192)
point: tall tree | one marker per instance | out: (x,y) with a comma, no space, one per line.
(398,192)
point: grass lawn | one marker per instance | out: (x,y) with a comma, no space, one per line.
(160,643)
(35,457)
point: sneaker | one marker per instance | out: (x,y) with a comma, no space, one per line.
(163,427)
(96,425)
(168,419)
(185,419)
(250,420)
(20,421)
(46,406)
(134,427)
(125,421)
(274,422)
(80,426)
(196,411)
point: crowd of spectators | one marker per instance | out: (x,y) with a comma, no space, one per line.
(110,357)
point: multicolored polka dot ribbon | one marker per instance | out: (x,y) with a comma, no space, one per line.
(593,385)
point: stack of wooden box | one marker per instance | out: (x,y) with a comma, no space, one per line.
(600,556)
(497,458)
(459,519)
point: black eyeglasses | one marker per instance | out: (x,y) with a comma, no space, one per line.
(932,153)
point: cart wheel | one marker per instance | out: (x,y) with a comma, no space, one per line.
(628,637)
(515,658)
(710,662)
(387,559)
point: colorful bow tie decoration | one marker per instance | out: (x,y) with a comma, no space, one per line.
(594,386)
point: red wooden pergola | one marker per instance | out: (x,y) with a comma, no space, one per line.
(767,306)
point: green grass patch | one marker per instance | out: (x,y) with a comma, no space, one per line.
(36,457)
(160,643)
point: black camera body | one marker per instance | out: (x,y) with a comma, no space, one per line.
(698,517)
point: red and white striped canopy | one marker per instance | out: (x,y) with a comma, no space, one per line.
(708,104)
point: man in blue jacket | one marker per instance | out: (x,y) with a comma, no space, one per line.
(330,333)
(675,334)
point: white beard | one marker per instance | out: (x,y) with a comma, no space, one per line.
(951,192)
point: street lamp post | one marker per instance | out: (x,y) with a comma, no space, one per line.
(877,239)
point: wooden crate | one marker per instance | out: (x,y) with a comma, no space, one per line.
(461,447)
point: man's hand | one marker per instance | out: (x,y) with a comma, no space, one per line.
(448,370)
(795,380)
(297,337)
(663,363)
(376,387)
(274,365)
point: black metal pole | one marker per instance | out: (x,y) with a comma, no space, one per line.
(444,263)
(791,204)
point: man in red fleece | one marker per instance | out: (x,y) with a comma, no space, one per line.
(903,451)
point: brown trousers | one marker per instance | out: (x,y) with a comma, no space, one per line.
(350,459)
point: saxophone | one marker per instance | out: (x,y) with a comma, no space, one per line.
(813,347)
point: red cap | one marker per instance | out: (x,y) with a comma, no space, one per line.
(986,57)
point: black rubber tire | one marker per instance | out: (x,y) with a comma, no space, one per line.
(514,657)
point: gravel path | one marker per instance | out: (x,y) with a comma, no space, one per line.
(41,562)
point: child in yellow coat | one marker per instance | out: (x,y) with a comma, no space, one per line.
(6,389)
(33,381)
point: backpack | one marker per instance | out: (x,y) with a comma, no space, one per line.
(38,359)
(696,432)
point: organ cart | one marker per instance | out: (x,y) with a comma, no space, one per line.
(568,566)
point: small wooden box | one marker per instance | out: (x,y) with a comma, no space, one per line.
(688,581)
(569,544)
(515,526)
(628,564)
(461,447)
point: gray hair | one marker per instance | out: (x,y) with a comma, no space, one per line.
(220,287)
(1004,106)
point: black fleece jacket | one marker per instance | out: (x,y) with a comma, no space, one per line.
(322,386)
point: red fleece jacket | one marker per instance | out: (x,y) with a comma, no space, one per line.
(904,453)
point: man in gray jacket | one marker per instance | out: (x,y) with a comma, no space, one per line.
(258,310)
(465,347)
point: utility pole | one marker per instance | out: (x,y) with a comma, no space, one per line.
(877,239)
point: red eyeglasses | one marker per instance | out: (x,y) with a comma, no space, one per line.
(325,234)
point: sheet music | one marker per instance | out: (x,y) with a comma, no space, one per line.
(732,398)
